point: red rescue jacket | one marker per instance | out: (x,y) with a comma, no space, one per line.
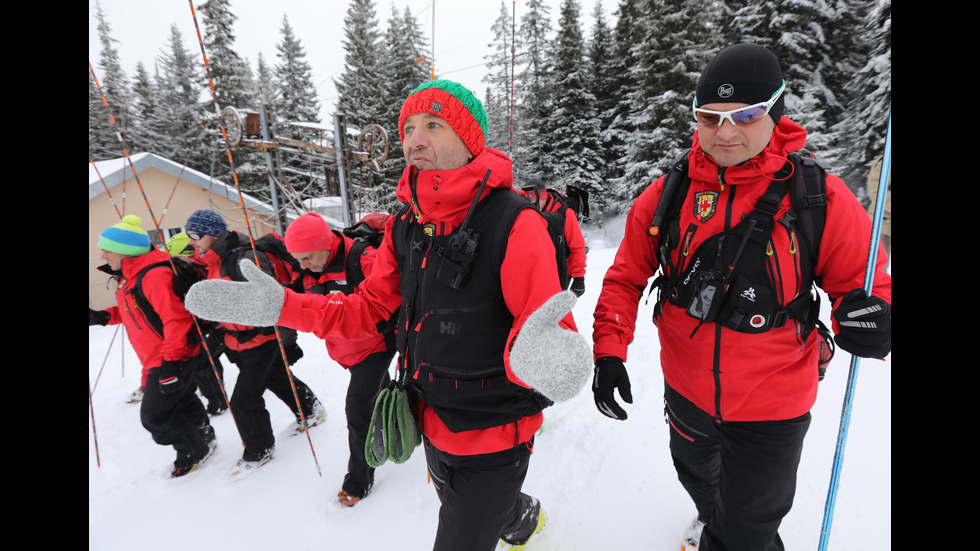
(346,352)
(736,376)
(442,199)
(151,347)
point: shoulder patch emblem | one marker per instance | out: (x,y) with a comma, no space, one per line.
(705,203)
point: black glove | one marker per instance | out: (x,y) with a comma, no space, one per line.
(610,373)
(170,376)
(183,280)
(293,353)
(865,325)
(578,286)
(97,317)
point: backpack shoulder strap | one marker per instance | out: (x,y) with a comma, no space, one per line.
(676,183)
(808,193)
(142,302)
(352,262)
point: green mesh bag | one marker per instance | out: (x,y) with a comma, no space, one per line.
(392,434)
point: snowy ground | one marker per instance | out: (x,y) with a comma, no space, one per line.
(605,484)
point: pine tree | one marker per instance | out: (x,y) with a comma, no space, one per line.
(531,143)
(143,110)
(669,61)
(575,159)
(296,99)
(618,130)
(176,125)
(498,78)
(295,102)
(264,86)
(603,85)
(233,87)
(360,90)
(112,83)
(358,86)
(865,123)
(400,72)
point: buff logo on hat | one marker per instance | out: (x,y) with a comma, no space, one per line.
(743,73)
(455,104)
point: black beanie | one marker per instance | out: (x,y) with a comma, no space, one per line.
(744,73)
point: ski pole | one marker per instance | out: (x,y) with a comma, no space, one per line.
(99,376)
(95,436)
(156,224)
(248,226)
(869,275)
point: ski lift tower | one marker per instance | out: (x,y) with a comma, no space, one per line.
(248,128)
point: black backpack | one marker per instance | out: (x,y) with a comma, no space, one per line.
(272,244)
(188,273)
(806,216)
(556,229)
(367,232)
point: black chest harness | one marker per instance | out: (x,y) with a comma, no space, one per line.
(731,278)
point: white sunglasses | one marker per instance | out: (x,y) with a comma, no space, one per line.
(741,116)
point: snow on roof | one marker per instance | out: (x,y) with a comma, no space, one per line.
(112,172)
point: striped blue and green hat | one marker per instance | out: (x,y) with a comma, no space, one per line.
(126,237)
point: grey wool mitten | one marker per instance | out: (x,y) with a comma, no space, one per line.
(257,301)
(555,361)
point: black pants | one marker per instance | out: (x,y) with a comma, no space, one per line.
(259,369)
(366,380)
(175,419)
(741,475)
(207,382)
(481,497)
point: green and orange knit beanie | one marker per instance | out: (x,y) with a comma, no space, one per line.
(453,103)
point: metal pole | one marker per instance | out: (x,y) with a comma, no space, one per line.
(340,140)
(869,275)
(270,164)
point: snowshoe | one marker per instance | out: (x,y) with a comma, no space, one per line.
(215,409)
(692,536)
(136,397)
(186,466)
(316,417)
(246,466)
(348,500)
(505,545)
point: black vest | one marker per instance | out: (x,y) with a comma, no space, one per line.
(454,324)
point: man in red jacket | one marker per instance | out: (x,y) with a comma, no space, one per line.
(472,268)
(738,389)
(549,200)
(331,262)
(254,349)
(163,336)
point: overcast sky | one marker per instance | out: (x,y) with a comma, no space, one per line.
(462,32)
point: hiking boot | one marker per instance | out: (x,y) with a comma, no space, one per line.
(692,536)
(136,397)
(207,431)
(519,546)
(348,500)
(217,408)
(187,464)
(317,416)
(247,464)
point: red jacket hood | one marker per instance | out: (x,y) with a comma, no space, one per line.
(787,137)
(445,195)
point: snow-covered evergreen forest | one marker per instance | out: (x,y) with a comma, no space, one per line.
(603,108)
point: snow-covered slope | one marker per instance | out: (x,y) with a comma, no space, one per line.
(606,484)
